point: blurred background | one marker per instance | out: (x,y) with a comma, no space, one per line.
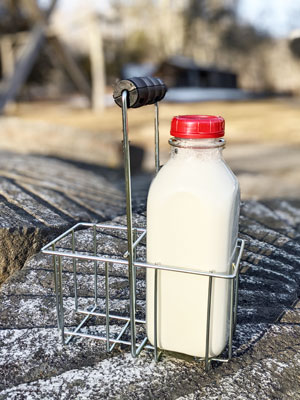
(235,58)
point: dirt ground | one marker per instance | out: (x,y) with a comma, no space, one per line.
(263,137)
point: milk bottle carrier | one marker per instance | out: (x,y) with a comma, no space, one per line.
(131,93)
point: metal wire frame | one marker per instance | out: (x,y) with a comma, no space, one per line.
(59,253)
(134,236)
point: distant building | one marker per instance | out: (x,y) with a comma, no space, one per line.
(183,72)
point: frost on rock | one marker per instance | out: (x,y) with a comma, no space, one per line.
(266,362)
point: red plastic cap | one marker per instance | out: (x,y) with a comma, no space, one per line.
(197,126)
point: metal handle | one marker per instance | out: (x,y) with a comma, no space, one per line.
(136,92)
(141,91)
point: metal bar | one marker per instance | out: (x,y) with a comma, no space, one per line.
(236,292)
(85,319)
(61,306)
(141,346)
(231,319)
(74,272)
(103,338)
(58,238)
(56,289)
(131,266)
(134,237)
(107,305)
(109,226)
(149,346)
(136,242)
(213,359)
(114,341)
(112,316)
(155,316)
(241,243)
(87,225)
(120,334)
(207,341)
(139,264)
(95,266)
(156,125)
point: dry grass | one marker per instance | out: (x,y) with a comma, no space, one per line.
(248,121)
(263,137)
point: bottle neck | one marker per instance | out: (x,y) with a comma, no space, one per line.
(201,148)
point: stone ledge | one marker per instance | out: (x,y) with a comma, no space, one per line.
(42,196)
(265,362)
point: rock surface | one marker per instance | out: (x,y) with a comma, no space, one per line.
(42,196)
(266,360)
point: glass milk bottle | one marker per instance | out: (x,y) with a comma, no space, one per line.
(192,223)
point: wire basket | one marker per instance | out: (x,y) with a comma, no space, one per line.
(131,323)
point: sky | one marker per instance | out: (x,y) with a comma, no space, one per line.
(277,17)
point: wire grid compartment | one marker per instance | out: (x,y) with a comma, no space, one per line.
(129,321)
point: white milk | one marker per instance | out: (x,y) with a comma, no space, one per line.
(192,222)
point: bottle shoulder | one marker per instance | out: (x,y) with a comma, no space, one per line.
(196,175)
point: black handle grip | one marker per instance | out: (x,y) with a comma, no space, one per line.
(141,91)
